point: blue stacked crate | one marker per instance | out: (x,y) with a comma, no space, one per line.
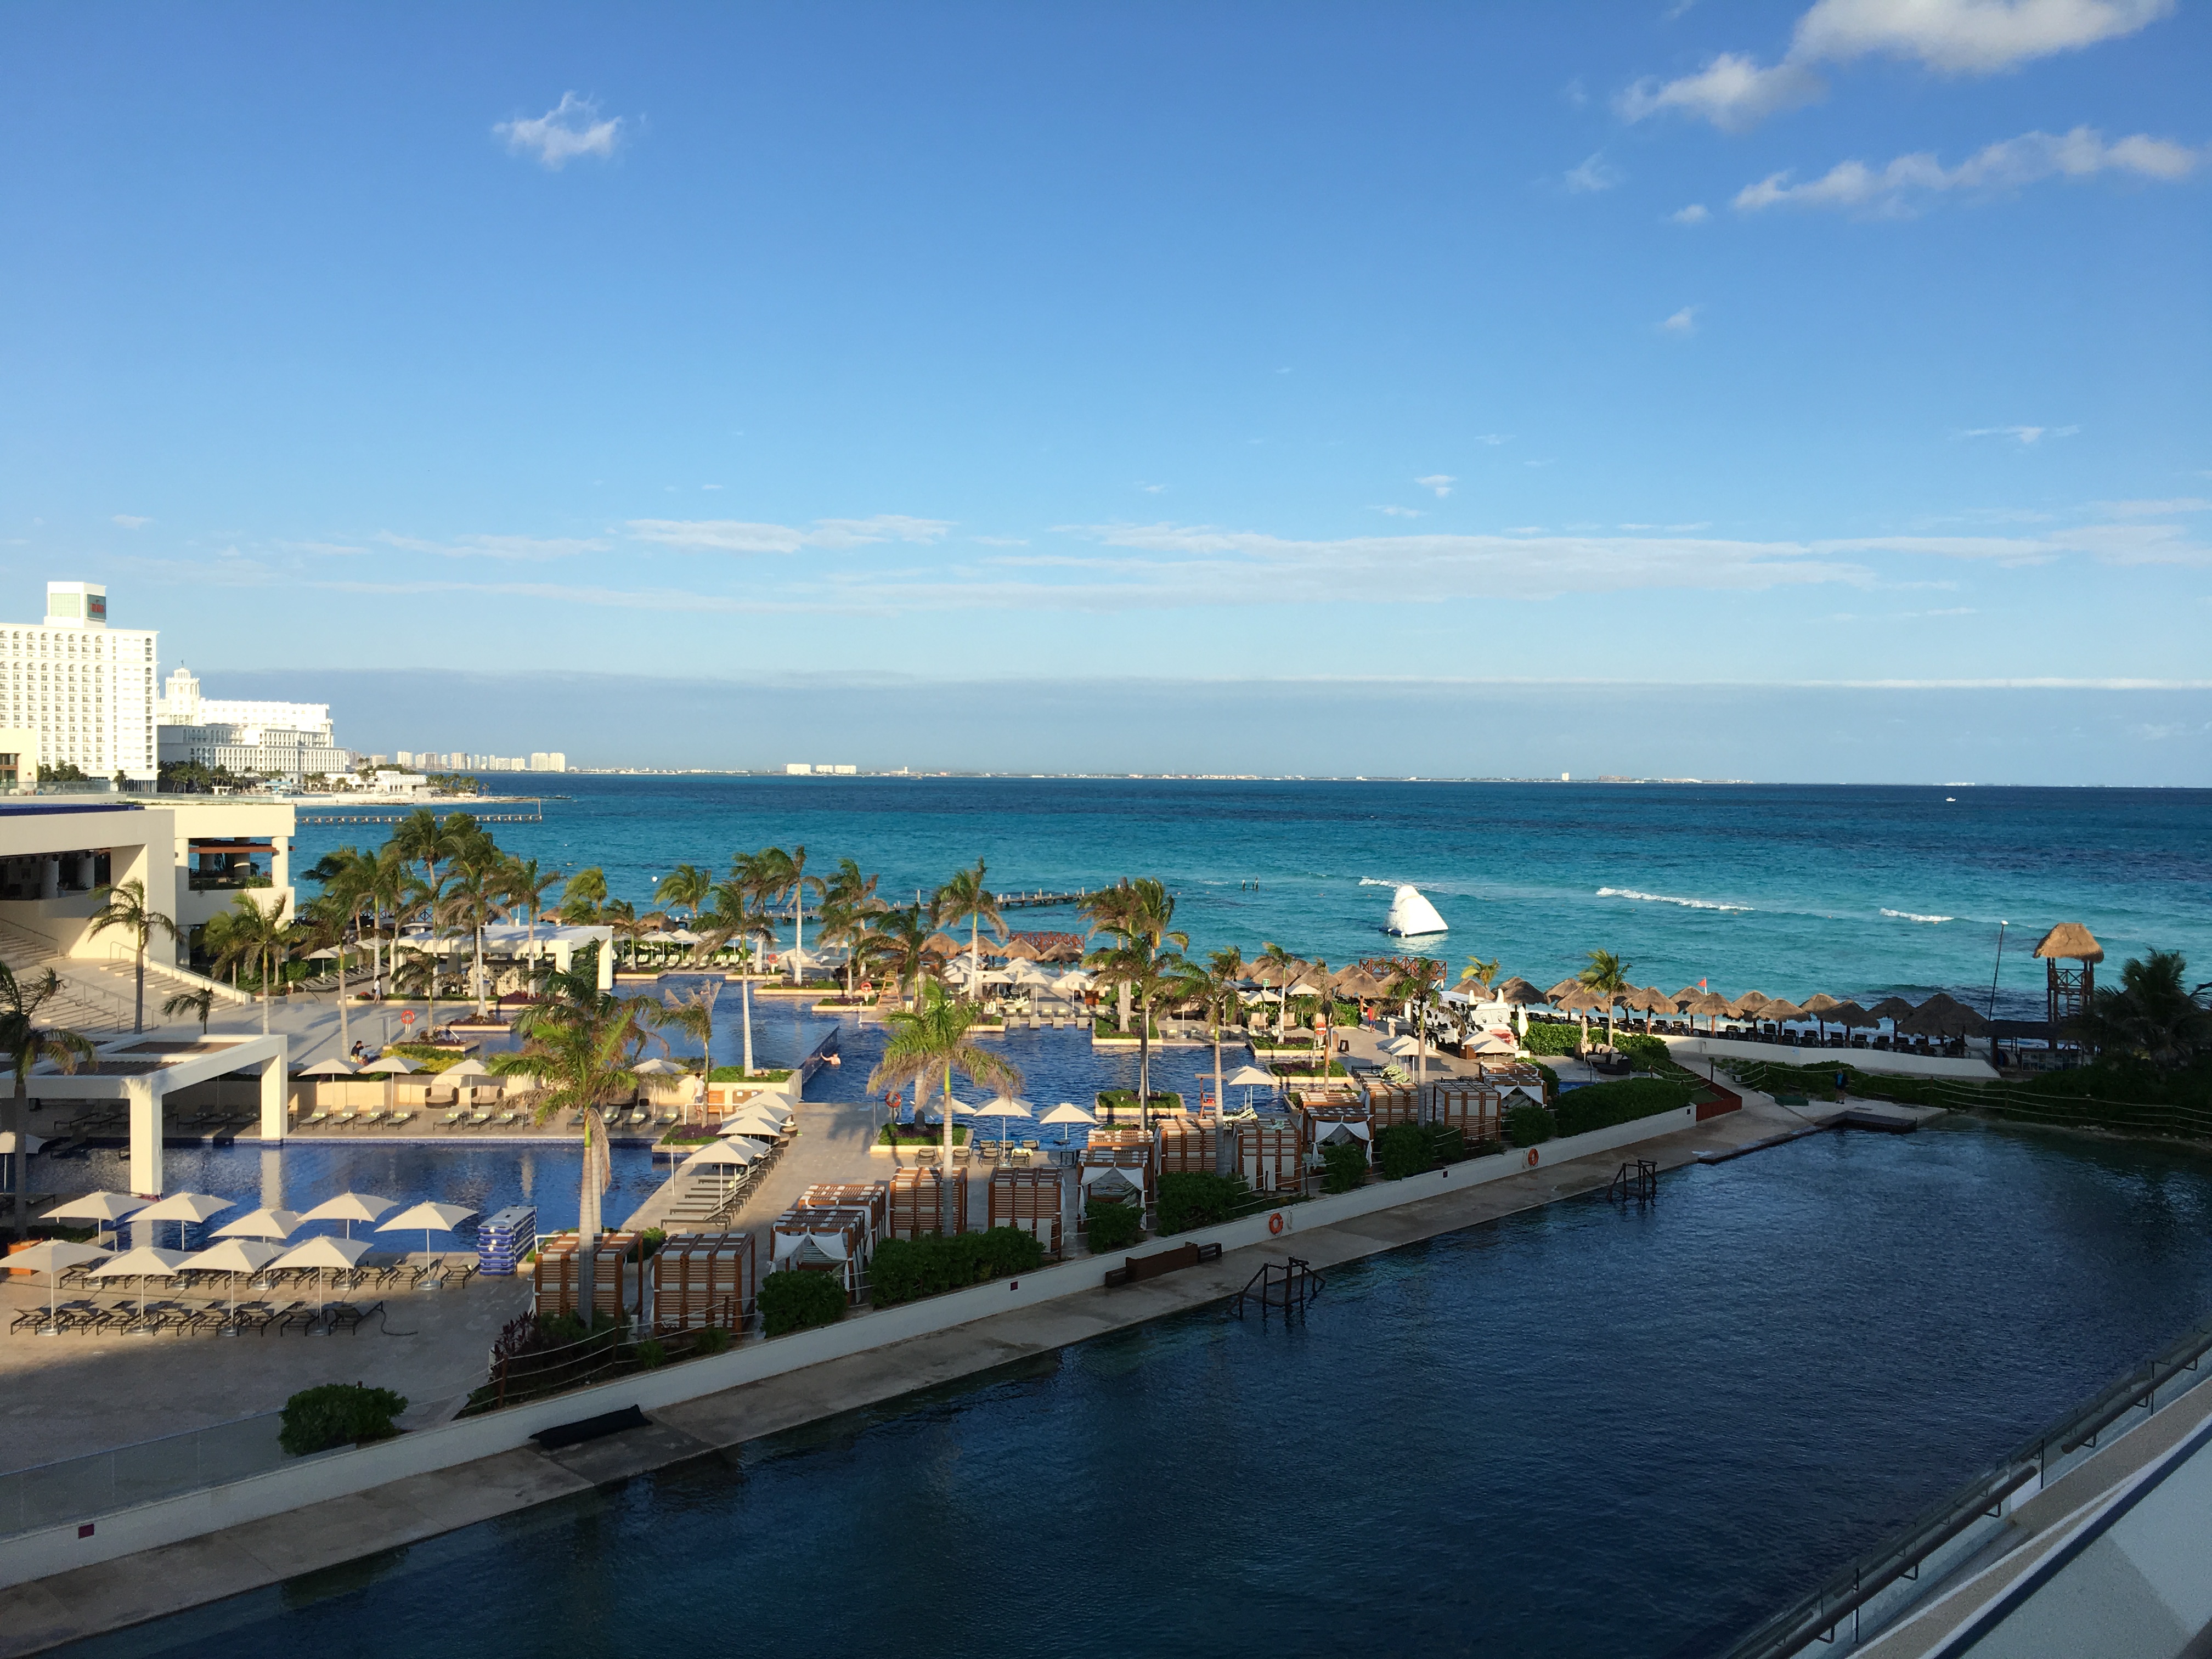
(505,1239)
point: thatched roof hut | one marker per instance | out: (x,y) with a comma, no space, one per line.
(2070,941)
(1562,988)
(1519,990)
(1891,1008)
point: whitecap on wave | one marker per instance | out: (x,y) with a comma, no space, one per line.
(1664,898)
(1907,915)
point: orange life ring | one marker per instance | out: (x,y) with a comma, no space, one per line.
(1532,1157)
(1275,1222)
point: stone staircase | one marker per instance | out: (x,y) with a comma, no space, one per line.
(93,998)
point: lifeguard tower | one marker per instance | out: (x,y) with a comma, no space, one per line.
(2071,954)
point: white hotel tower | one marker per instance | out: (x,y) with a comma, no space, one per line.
(82,689)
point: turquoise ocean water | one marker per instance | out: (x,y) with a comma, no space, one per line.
(1788,890)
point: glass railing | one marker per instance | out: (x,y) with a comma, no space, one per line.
(80,1489)
(210,883)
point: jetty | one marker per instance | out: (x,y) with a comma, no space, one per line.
(392,814)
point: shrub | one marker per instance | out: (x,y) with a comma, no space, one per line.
(315,1420)
(1344,1168)
(1649,1053)
(797,1300)
(1602,1105)
(1550,1081)
(709,1338)
(650,1241)
(1449,1145)
(905,1268)
(1551,1039)
(1113,1227)
(652,1352)
(1529,1125)
(1192,1198)
(1404,1149)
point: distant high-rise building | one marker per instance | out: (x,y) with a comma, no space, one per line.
(182,705)
(86,690)
(548,760)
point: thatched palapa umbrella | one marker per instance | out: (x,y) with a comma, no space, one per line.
(1781,1010)
(1584,1002)
(1517,990)
(1711,1003)
(1943,1016)
(1564,988)
(1891,1009)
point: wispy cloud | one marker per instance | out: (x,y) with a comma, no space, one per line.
(1400,512)
(530,548)
(1150,489)
(2156,509)
(1439,481)
(132,520)
(2024,435)
(1734,91)
(571,128)
(1902,184)
(1594,174)
(735,536)
(1695,213)
(1684,321)
(1493,438)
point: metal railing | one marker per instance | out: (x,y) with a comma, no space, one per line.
(1861,1602)
(124,956)
(80,1489)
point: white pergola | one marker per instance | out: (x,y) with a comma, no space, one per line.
(142,1070)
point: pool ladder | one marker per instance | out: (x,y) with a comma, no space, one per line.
(1638,1181)
(1285,1285)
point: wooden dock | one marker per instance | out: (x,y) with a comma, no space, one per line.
(400,815)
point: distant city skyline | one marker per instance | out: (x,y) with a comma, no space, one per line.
(1844,345)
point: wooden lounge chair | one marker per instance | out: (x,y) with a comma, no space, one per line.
(345,1316)
(394,1119)
(366,1119)
(459,1273)
(507,1119)
(274,1316)
(315,1122)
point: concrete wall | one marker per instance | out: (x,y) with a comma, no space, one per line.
(1866,1059)
(36,1555)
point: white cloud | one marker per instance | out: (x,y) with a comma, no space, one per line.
(2029,159)
(1594,173)
(1440,481)
(735,536)
(1150,489)
(2025,435)
(1695,213)
(1000,541)
(1493,438)
(131,521)
(1400,512)
(1684,321)
(1966,37)
(522,547)
(571,128)
(2156,509)
(1734,91)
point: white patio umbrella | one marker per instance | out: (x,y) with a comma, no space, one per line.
(350,1207)
(1075,979)
(31,1143)
(261,1224)
(1404,1047)
(1004,1109)
(323,1252)
(184,1208)
(144,1263)
(54,1257)
(430,1217)
(391,1065)
(1066,1113)
(234,1256)
(657,1067)
(470,1067)
(332,1067)
(723,1155)
(100,1206)
(1249,1078)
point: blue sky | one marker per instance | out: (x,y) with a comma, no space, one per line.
(1862,341)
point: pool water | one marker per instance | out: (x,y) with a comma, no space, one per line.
(1587,1430)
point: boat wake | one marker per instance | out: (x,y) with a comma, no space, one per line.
(1907,915)
(1665,898)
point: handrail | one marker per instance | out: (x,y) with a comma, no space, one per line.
(123,955)
(113,1005)
(1815,1617)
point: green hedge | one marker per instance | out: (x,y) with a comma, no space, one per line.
(1600,1105)
(1546,1039)
(1121,1099)
(1409,1149)
(1113,1227)
(1529,1125)
(905,1268)
(1344,1167)
(337,1414)
(797,1300)
(1192,1198)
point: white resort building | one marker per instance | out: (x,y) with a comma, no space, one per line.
(271,740)
(76,692)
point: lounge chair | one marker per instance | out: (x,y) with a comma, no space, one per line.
(477,1120)
(345,1316)
(459,1273)
(395,1119)
(365,1119)
(300,1315)
(316,1121)
(507,1119)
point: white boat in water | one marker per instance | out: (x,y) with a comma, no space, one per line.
(1411,914)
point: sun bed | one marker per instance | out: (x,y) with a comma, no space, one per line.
(396,1119)
(319,1117)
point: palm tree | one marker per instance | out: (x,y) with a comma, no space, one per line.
(25,1043)
(391,890)
(1108,910)
(932,1041)
(686,888)
(849,906)
(198,1004)
(581,898)
(692,1013)
(895,940)
(964,898)
(1416,982)
(527,886)
(1479,972)
(262,937)
(2150,1015)
(1281,965)
(475,900)
(737,916)
(582,1046)
(1138,958)
(426,839)
(1217,984)
(124,905)
(326,925)
(785,876)
(1605,977)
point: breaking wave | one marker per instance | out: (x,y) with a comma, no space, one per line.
(1907,915)
(1665,898)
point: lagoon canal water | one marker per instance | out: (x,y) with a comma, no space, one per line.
(1586,1430)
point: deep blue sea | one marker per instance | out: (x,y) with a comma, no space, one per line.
(1788,890)
(1588,1430)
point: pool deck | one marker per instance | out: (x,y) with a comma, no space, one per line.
(152,1583)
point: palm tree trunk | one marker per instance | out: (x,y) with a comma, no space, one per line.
(480,972)
(15,1102)
(587,1224)
(264,991)
(345,1028)
(947,1164)
(138,1012)
(1145,1065)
